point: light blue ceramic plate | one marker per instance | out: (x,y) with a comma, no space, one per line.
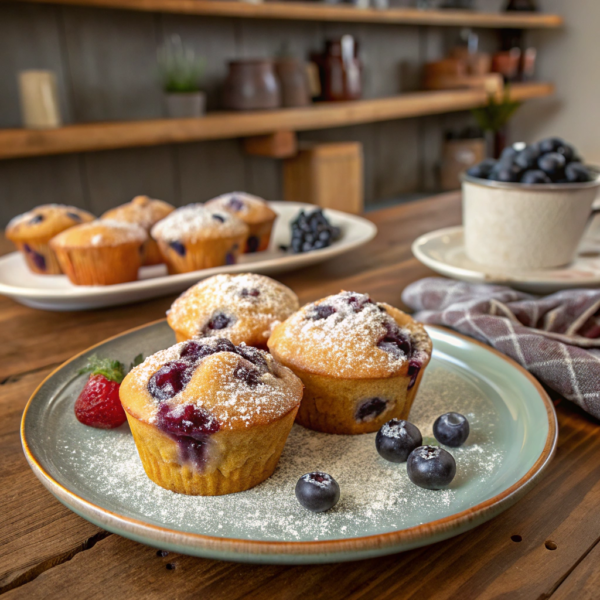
(98,473)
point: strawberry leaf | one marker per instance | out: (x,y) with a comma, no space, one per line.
(113,370)
(138,360)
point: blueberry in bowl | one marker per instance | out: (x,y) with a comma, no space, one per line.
(311,231)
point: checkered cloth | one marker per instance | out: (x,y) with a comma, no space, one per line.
(556,338)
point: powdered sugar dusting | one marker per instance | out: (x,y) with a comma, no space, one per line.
(194,222)
(376,496)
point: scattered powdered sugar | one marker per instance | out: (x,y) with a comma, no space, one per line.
(376,496)
(195,221)
(243,200)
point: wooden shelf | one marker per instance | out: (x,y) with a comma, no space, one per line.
(18,143)
(323,12)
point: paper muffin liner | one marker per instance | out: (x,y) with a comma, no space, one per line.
(331,405)
(259,236)
(39,257)
(101,265)
(235,460)
(183,257)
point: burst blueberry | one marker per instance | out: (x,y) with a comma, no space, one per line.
(370,409)
(317,491)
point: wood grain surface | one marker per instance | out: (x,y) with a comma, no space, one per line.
(545,546)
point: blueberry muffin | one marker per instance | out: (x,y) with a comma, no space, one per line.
(208,417)
(32,231)
(145,212)
(242,308)
(361,362)
(254,211)
(100,252)
(194,237)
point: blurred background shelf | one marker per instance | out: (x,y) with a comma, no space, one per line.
(15,143)
(321,12)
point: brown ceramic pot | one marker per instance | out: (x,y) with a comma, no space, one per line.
(294,82)
(251,85)
(340,70)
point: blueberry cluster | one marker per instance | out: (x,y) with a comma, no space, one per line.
(428,467)
(398,441)
(311,231)
(551,160)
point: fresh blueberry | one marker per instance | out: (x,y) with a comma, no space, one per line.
(431,467)
(505,173)
(575,172)
(527,158)
(252,243)
(370,409)
(535,176)
(567,151)
(218,321)
(550,144)
(451,429)
(508,154)
(317,491)
(553,164)
(178,247)
(483,169)
(170,379)
(397,439)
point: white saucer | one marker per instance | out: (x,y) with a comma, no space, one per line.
(443,251)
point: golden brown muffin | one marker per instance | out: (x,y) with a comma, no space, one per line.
(194,237)
(241,308)
(145,212)
(210,418)
(101,252)
(254,211)
(32,231)
(361,362)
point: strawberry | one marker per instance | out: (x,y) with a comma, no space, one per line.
(98,405)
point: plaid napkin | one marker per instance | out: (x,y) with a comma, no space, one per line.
(556,337)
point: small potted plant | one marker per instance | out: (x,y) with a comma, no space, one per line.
(180,72)
(493,119)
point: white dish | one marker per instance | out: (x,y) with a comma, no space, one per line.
(444,252)
(55,292)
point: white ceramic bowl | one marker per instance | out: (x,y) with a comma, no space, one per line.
(517,226)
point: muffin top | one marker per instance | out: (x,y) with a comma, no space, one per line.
(209,385)
(195,222)
(44,222)
(250,209)
(100,234)
(242,308)
(350,336)
(142,210)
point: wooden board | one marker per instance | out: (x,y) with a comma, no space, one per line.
(316,12)
(512,556)
(103,136)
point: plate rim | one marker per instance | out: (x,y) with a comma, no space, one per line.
(487,274)
(81,293)
(257,548)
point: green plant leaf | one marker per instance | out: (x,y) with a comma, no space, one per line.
(495,115)
(138,360)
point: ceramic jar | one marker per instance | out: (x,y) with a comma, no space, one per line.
(294,82)
(251,85)
(340,70)
(522,227)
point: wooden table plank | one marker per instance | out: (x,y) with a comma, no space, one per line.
(584,582)
(37,531)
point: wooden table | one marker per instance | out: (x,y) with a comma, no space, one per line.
(546,545)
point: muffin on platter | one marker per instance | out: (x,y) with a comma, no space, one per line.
(254,211)
(208,417)
(195,237)
(241,308)
(32,231)
(100,252)
(361,362)
(145,212)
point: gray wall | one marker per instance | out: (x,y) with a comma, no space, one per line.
(105,63)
